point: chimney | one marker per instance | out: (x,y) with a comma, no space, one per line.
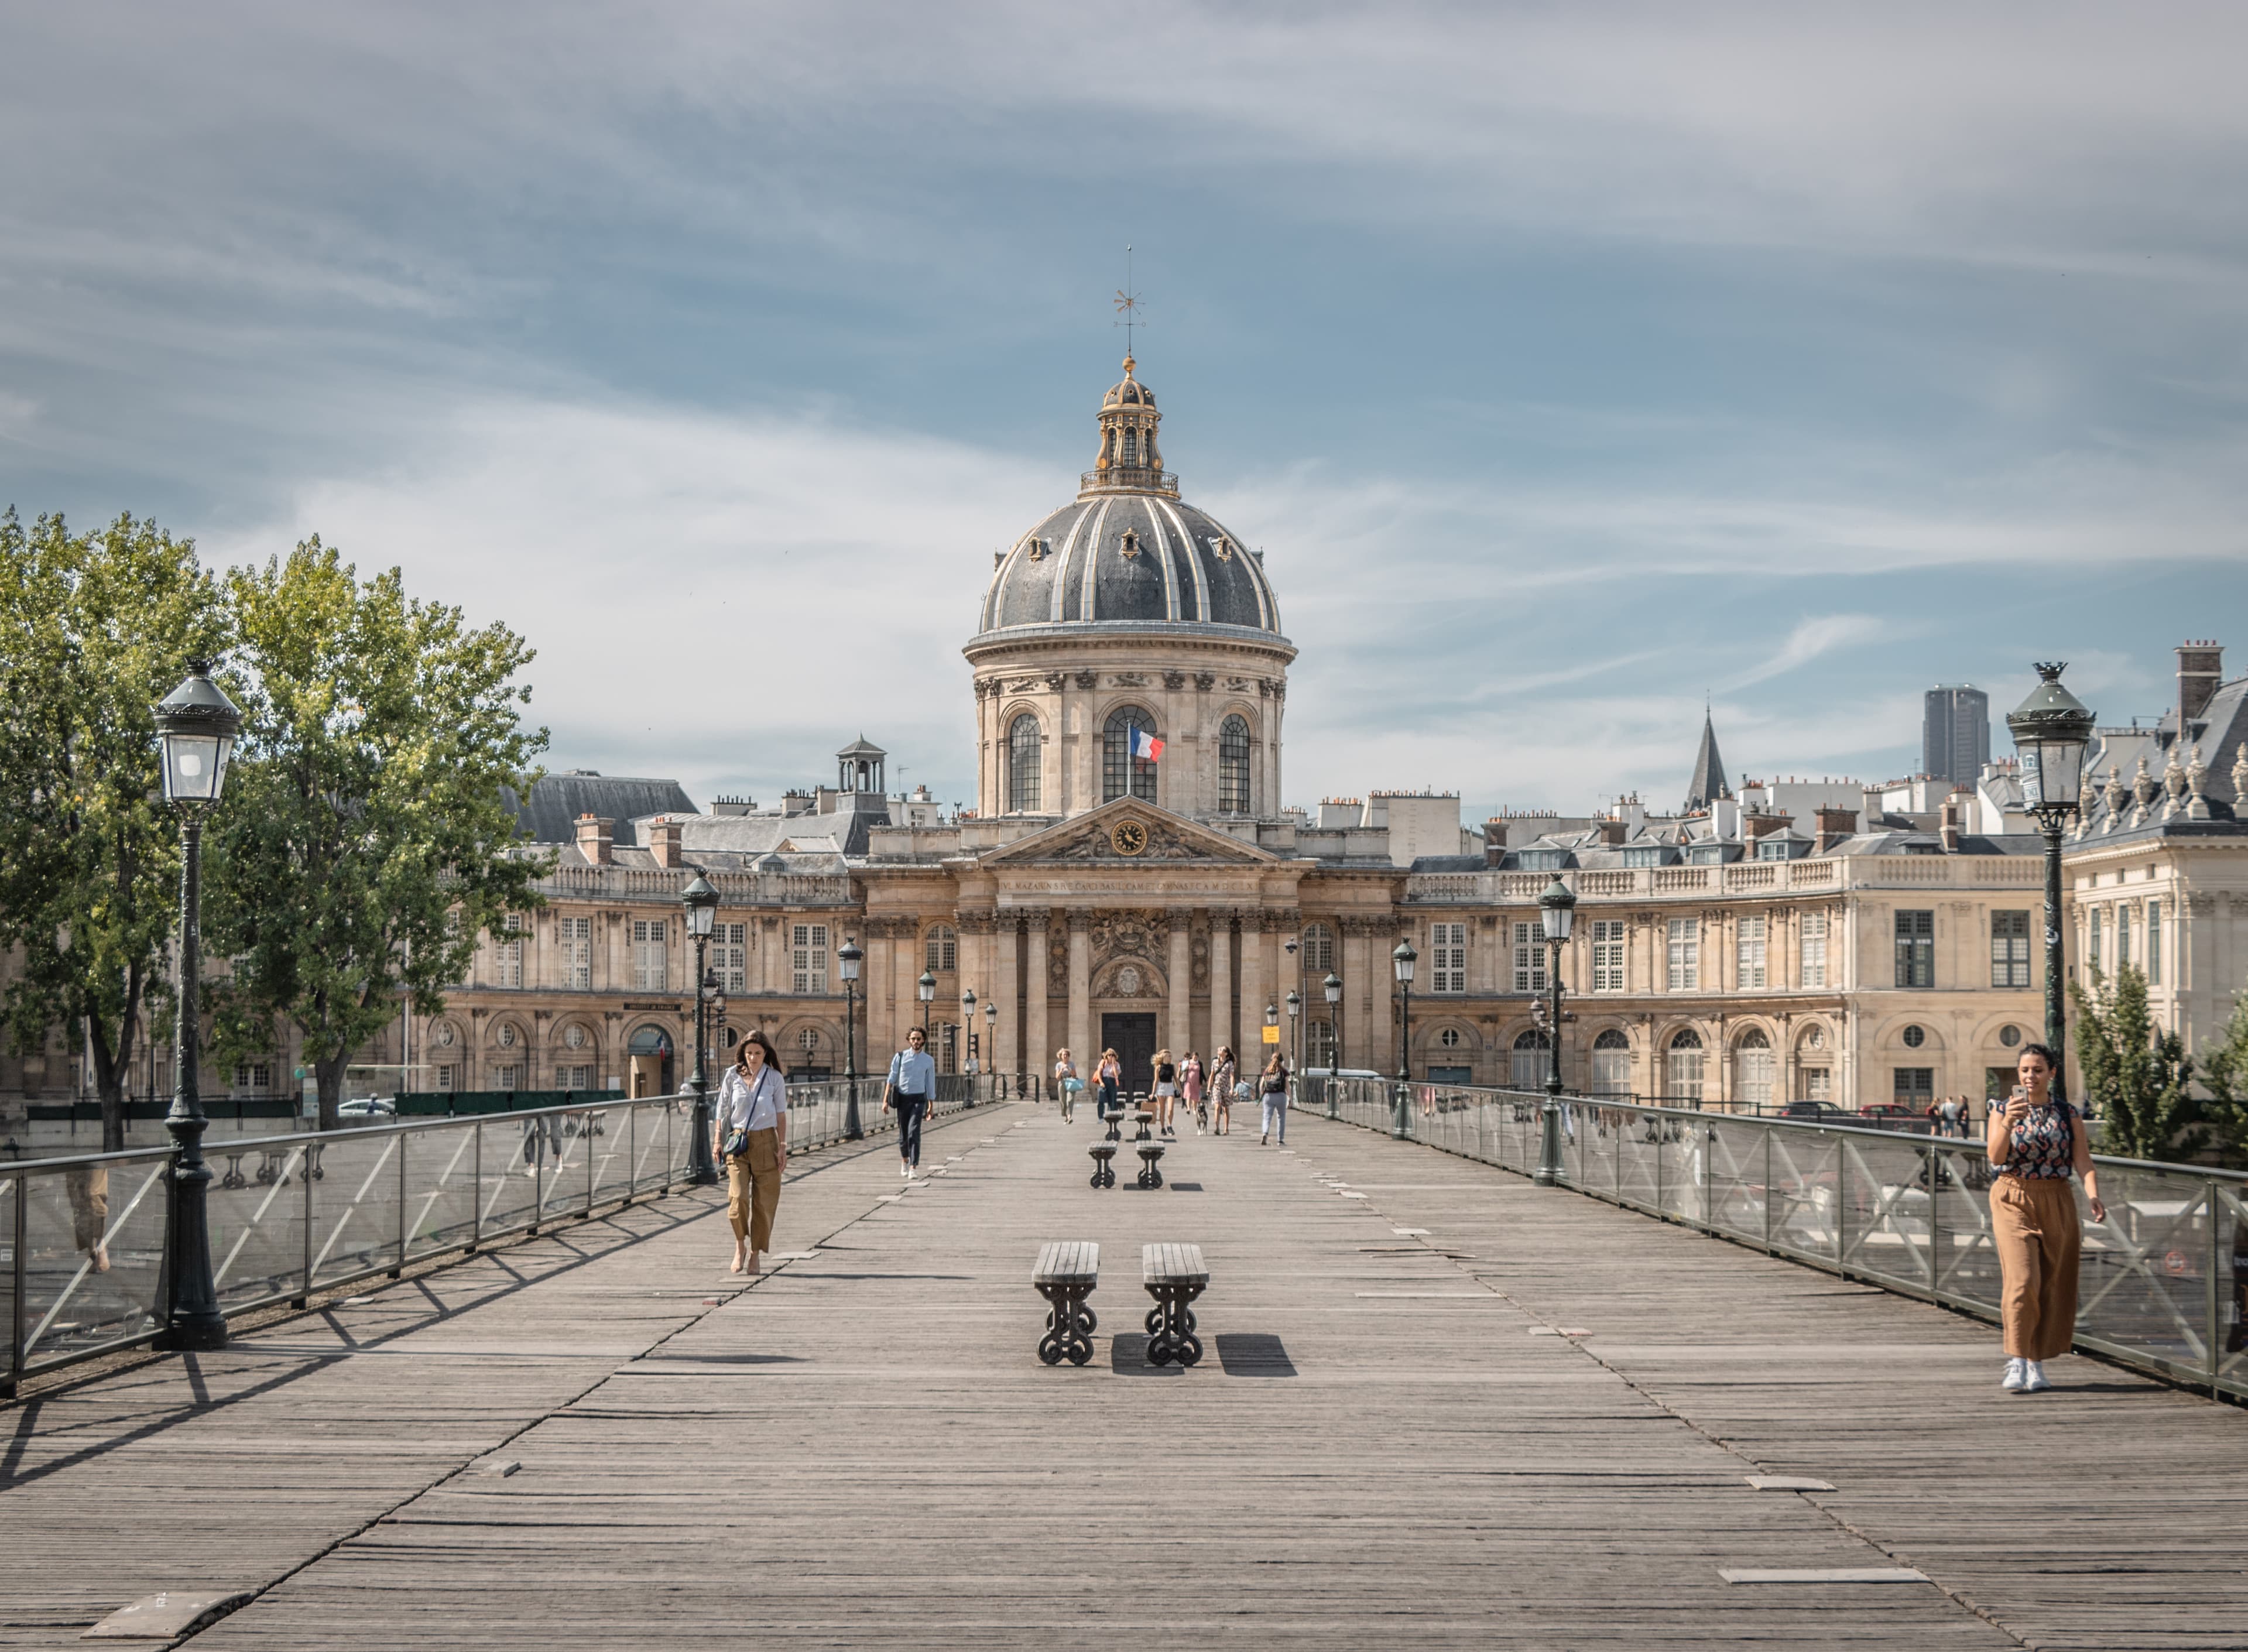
(1950,830)
(1494,843)
(1612,834)
(1834,825)
(663,842)
(2200,669)
(596,839)
(1755,826)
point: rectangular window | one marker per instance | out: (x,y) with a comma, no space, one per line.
(1684,965)
(1318,950)
(651,947)
(2123,939)
(575,936)
(255,1077)
(2010,948)
(1915,1087)
(444,1075)
(730,955)
(1608,954)
(1448,961)
(2091,952)
(1915,949)
(507,1077)
(2154,943)
(1814,949)
(808,956)
(1750,949)
(1817,1084)
(581,1078)
(1530,957)
(1772,849)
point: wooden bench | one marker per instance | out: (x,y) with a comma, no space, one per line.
(1067,1273)
(1151,1159)
(1104,1171)
(1175,1276)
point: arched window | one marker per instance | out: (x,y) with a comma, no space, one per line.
(1682,1077)
(1233,765)
(1752,1068)
(943,950)
(1318,950)
(1022,764)
(1612,1063)
(1528,1067)
(1122,774)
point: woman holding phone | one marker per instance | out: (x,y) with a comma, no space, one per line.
(2034,1145)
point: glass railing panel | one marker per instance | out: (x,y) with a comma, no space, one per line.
(565,1151)
(2143,1282)
(1736,1189)
(507,1186)
(441,1187)
(1889,1209)
(613,1154)
(2231,1281)
(94,1246)
(256,1209)
(1806,1210)
(355,1204)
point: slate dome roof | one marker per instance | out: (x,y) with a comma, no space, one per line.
(1129,550)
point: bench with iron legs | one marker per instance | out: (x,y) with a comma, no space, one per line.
(1151,1159)
(1175,1276)
(1066,1272)
(1104,1167)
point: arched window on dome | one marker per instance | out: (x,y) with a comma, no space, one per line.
(1122,774)
(1233,765)
(1025,756)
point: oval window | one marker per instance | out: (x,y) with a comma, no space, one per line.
(1914,1036)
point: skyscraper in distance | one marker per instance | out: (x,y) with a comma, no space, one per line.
(1955,732)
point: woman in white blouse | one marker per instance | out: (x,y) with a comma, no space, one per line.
(750,1134)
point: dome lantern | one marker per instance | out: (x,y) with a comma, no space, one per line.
(1130,457)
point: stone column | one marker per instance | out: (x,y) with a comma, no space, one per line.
(1221,980)
(1041,1053)
(1178,1034)
(1254,982)
(1006,985)
(1080,991)
(908,972)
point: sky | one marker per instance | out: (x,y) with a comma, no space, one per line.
(1573,365)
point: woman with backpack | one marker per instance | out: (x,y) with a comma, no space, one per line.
(1223,1078)
(2034,1145)
(1272,1084)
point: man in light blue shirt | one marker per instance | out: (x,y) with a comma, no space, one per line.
(911,1089)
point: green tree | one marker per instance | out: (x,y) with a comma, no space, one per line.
(365,806)
(94,629)
(2140,1078)
(2225,1072)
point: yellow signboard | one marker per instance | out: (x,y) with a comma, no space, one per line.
(1271,1035)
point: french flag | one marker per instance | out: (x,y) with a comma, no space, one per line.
(1145,745)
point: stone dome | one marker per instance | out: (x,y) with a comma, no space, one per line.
(1129,552)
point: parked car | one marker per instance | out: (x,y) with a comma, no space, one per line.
(1819,1112)
(367,1106)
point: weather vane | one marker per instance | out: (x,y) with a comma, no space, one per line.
(1127,304)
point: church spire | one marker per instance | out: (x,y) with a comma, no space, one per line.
(1709,783)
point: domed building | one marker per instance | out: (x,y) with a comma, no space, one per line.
(1129,612)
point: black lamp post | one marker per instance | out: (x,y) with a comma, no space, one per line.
(991,1041)
(1292,947)
(198,724)
(702,903)
(847,959)
(1332,987)
(2051,730)
(926,989)
(1295,1002)
(1557,906)
(1404,958)
(968,1037)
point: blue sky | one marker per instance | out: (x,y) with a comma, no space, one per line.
(1568,362)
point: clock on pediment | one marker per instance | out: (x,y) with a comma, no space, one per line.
(1128,837)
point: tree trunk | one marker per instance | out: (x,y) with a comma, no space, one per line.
(328,1074)
(110,1068)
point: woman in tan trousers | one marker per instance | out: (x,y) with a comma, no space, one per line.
(2035,1143)
(750,1134)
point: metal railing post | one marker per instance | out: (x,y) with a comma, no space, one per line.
(538,1145)
(1935,1221)
(632,1152)
(1661,1128)
(2214,1195)
(22,1238)
(404,1142)
(585,1135)
(1709,1175)
(477,1202)
(1768,1194)
(304,1175)
(1841,1203)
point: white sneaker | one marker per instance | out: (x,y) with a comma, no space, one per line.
(906,1170)
(2016,1377)
(2037,1384)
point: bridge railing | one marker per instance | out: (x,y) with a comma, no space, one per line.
(82,1239)
(2163,1284)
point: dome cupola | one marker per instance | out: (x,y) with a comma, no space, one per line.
(1129,456)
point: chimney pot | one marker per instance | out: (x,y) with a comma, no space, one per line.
(663,844)
(597,839)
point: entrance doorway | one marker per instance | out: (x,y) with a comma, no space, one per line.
(649,1059)
(1133,1038)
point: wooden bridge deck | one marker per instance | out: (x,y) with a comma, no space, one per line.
(1385,1445)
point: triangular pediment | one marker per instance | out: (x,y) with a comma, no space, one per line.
(1129,832)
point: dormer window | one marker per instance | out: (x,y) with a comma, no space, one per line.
(1706,854)
(1131,543)
(1645,855)
(1772,849)
(1539,859)
(1037,549)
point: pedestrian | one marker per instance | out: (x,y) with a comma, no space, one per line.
(1954,1115)
(1192,1093)
(87,1188)
(1223,1078)
(2034,1145)
(751,1136)
(1109,1075)
(1164,1091)
(1067,1084)
(1273,1085)
(907,1091)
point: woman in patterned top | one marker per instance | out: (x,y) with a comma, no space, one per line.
(2035,1143)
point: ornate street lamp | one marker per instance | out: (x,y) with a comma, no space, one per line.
(1292,947)
(1295,1002)
(1557,906)
(1404,958)
(2051,730)
(847,959)
(1332,987)
(925,988)
(968,1037)
(198,724)
(702,903)
(991,1041)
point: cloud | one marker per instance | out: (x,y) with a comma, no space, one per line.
(1809,639)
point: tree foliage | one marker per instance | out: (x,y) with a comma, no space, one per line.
(94,629)
(365,806)
(2224,1073)
(2142,1078)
